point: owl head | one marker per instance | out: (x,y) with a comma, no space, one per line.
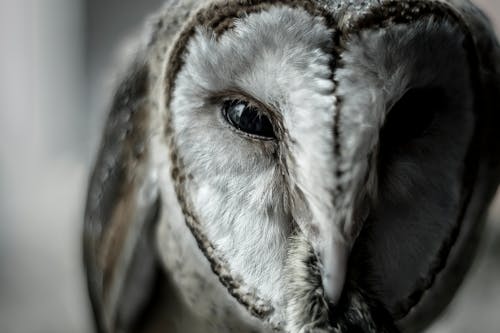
(313,143)
(320,147)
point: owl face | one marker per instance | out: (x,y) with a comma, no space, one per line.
(284,122)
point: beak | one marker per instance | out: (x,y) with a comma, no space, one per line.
(331,229)
(333,256)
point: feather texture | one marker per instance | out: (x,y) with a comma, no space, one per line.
(355,217)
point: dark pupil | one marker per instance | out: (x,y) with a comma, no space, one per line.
(247,118)
(412,116)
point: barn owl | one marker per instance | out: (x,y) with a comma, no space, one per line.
(294,166)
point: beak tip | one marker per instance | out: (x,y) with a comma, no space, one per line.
(332,286)
(334,266)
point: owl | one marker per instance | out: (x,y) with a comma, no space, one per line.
(294,166)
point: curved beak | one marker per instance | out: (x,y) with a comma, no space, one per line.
(333,256)
(331,228)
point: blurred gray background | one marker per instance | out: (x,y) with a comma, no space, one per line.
(56,73)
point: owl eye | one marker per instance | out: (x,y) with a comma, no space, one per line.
(248,119)
(413,115)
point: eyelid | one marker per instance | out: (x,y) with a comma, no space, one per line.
(223,96)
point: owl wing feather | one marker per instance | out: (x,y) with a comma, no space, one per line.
(122,207)
(123,200)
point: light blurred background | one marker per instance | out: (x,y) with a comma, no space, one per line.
(57,59)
